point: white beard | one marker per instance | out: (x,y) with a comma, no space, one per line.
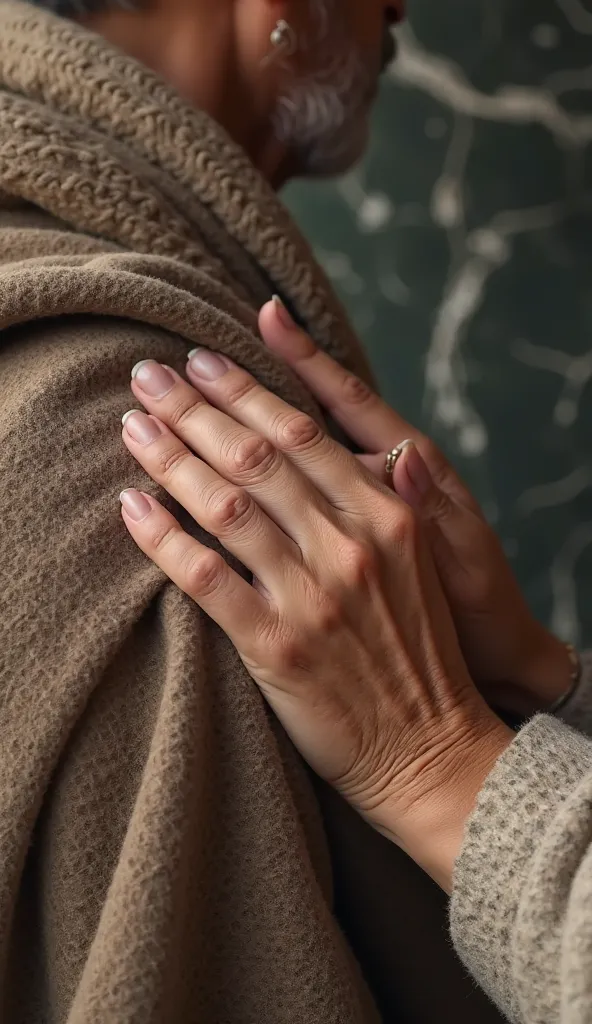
(322,117)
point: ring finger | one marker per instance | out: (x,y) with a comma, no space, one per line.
(329,467)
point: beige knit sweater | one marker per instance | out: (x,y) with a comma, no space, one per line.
(521,909)
(164,858)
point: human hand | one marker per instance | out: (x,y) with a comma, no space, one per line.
(518,665)
(346,629)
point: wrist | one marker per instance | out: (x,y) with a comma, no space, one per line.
(430,827)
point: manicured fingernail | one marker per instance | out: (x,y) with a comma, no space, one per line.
(141,427)
(207,365)
(417,470)
(153,378)
(135,504)
(285,318)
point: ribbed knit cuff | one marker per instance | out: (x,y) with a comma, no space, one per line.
(505,911)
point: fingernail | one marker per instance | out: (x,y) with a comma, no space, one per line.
(135,504)
(141,427)
(207,365)
(285,318)
(417,470)
(153,378)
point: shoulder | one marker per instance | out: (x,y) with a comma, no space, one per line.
(52,368)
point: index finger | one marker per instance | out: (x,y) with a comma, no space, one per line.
(367,419)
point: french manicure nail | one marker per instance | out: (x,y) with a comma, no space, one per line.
(207,365)
(141,427)
(135,504)
(154,379)
(284,316)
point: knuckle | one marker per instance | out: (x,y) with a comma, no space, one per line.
(181,410)
(297,431)
(238,387)
(359,560)
(355,391)
(163,535)
(266,637)
(204,573)
(289,654)
(250,455)
(170,456)
(228,508)
(401,527)
(329,614)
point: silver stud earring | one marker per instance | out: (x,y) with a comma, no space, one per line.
(283,39)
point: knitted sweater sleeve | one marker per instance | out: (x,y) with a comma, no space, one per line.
(521,908)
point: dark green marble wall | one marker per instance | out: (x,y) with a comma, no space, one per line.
(463,250)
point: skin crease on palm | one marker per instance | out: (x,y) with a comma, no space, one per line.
(382,705)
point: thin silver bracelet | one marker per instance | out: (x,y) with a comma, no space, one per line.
(576,675)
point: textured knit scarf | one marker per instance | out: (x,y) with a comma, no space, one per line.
(162,854)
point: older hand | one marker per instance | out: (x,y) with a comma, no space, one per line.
(346,629)
(518,665)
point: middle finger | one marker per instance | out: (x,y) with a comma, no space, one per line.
(237,453)
(328,465)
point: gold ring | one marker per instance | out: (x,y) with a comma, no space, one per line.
(393,456)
